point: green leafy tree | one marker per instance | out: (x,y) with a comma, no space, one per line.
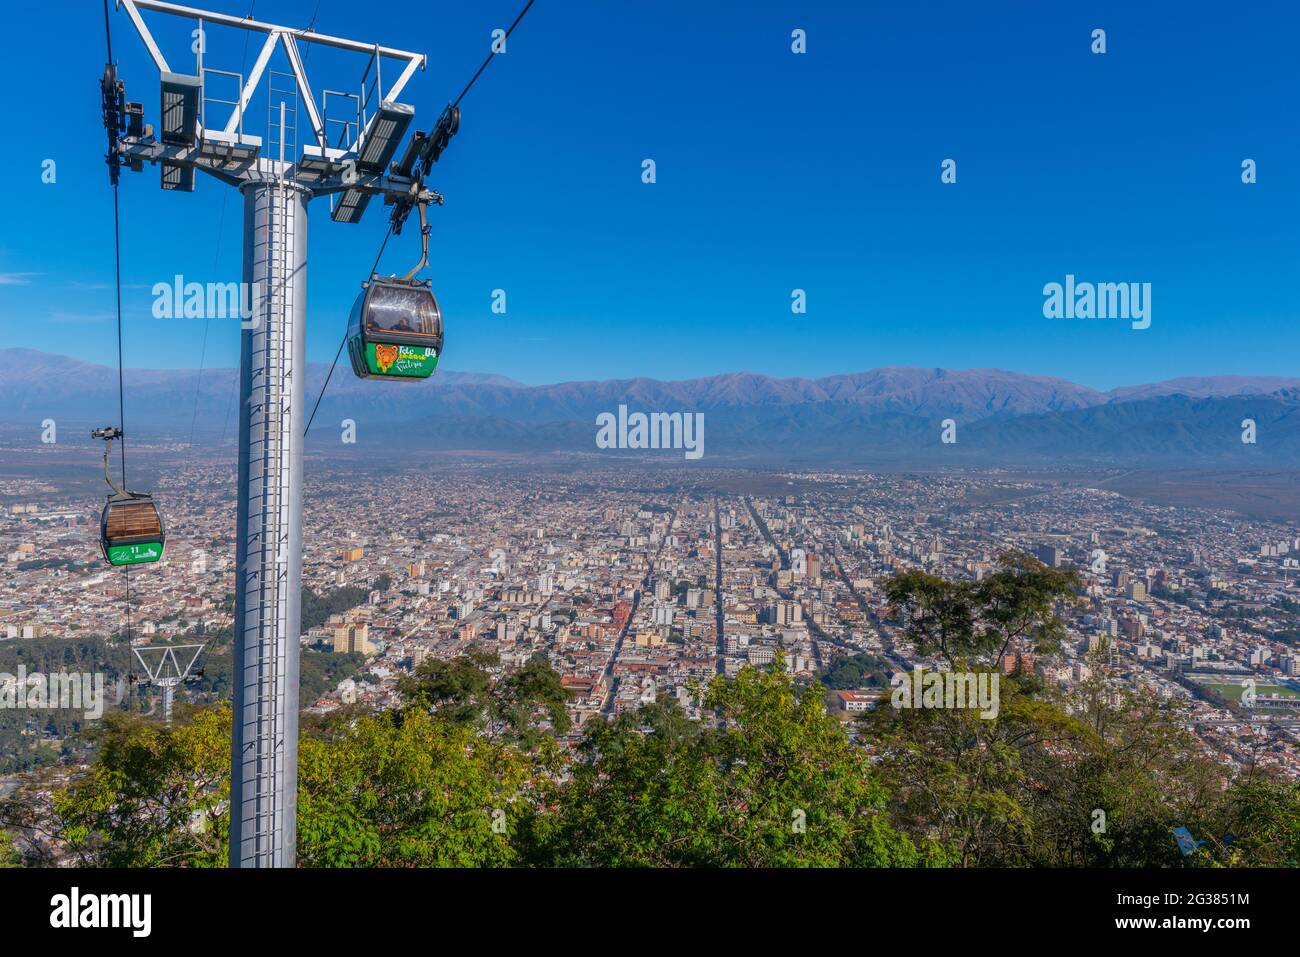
(958,620)
(1017,602)
(939,614)
(1102,784)
(1111,796)
(465,691)
(1262,815)
(404,789)
(155,796)
(522,694)
(857,670)
(459,690)
(776,783)
(965,782)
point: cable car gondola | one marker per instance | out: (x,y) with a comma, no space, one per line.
(130,527)
(395,329)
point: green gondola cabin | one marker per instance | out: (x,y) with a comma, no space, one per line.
(131,532)
(395,330)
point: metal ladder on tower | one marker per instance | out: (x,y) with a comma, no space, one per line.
(270,443)
(282,116)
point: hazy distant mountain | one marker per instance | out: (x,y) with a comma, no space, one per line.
(885,416)
(1174,430)
(40,384)
(1200,387)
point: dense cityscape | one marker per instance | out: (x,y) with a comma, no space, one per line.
(640,585)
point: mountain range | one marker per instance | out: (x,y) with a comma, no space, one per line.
(887,417)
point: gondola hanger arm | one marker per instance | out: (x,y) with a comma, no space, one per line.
(424,243)
(108,434)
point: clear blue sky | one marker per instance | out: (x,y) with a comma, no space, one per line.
(775,171)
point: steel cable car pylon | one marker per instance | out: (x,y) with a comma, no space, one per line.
(168,678)
(277,186)
(264,745)
(131,528)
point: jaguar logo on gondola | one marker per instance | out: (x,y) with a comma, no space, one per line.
(385,356)
(396,360)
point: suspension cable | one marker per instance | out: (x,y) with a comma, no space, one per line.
(113,161)
(338,352)
(491,55)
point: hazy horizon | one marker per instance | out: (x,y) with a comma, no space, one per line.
(448,366)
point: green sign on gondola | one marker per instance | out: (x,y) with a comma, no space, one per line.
(398,360)
(135,554)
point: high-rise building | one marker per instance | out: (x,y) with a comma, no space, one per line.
(788,612)
(352,637)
